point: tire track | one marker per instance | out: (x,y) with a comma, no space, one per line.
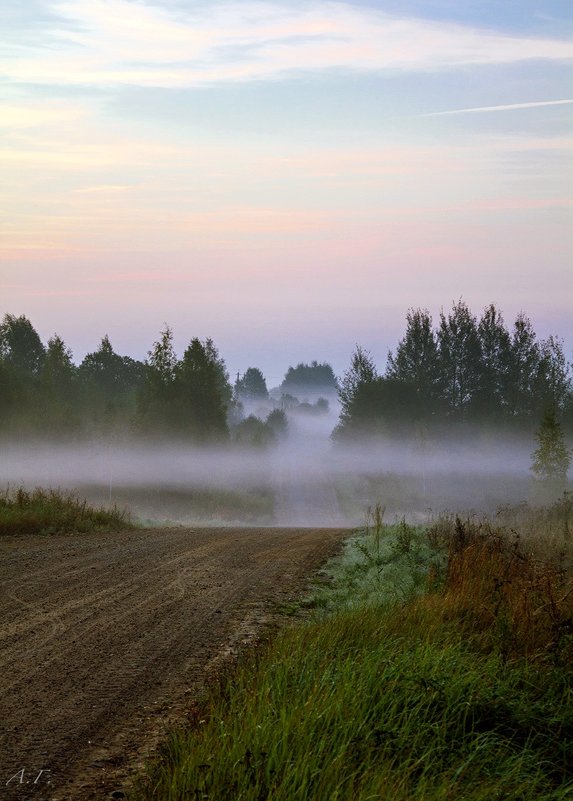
(105,639)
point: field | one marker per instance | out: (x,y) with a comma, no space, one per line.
(108,637)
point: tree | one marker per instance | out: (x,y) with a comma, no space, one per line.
(252,386)
(21,357)
(109,385)
(459,359)
(362,371)
(314,377)
(220,371)
(524,359)
(552,384)
(13,396)
(58,388)
(491,398)
(20,345)
(416,359)
(357,395)
(254,433)
(201,410)
(186,398)
(156,398)
(162,359)
(58,365)
(109,373)
(551,459)
(277,421)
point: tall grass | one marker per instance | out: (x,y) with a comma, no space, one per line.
(511,590)
(42,511)
(438,668)
(547,531)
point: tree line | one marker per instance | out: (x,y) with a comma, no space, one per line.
(42,391)
(465,370)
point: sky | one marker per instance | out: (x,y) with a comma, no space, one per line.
(287,178)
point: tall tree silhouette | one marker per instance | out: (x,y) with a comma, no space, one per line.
(20,344)
(459,359)
(252,385)
(491,398)
(524,362)
(416,360)
(58,389)
(201,404)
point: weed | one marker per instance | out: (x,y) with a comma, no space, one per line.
(505,596)
(50,511)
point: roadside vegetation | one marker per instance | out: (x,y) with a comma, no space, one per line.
(52,511)
(436,664)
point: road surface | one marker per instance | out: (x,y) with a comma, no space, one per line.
(107,639)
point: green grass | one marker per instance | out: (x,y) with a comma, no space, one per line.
(437,666)
(379,565)
(51,511)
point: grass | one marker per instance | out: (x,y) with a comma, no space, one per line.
(547,531)
(42,511)
(159,506)
(380,565)
(437,665)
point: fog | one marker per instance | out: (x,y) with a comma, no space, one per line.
(303,479)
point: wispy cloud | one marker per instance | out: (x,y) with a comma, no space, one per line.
(121,42)
(506,107)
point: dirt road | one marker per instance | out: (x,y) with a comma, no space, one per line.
(105,640)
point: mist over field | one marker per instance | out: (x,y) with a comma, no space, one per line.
(468,415)
(305,479)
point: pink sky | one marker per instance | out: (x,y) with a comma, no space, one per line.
(282,180)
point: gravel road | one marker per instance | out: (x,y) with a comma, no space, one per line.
(107,639)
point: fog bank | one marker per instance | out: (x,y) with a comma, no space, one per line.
(303,480)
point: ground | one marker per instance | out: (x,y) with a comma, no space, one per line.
(107,640)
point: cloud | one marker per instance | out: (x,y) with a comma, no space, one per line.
(507,107)
(39,115)
(120,42)
(104,189)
